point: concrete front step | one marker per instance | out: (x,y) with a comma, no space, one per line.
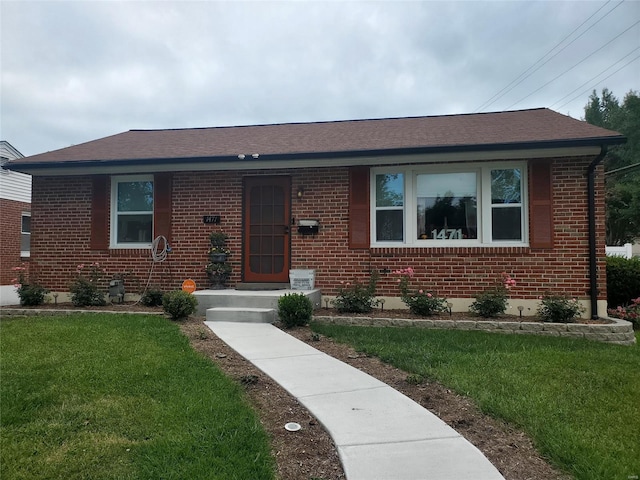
(244,299)
(245,315)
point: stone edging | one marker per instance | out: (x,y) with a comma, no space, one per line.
(618,332)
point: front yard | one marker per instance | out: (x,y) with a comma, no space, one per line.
(578,400)
(120,397)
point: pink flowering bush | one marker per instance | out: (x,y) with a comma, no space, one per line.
(420,302)
(493,301)
(357,297)
(86,288)
(30,293)
(559,308)
(630,313)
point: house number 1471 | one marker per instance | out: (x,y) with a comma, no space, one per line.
(447,234)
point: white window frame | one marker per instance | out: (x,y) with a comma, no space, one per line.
(25,253)
(484,206)
(115,180)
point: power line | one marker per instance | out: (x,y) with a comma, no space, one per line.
(593,86)
(523,76)
(596,76)
(574,66)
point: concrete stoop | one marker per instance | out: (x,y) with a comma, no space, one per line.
(247,306)
(247,315)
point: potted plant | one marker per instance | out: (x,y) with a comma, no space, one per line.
(218,269)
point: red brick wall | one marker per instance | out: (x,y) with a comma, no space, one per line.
(61,229)
(10,234)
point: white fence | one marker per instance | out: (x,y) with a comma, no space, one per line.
(624,251)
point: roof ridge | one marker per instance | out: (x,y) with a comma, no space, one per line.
(326,122)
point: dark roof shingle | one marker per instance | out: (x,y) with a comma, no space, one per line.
(448,131)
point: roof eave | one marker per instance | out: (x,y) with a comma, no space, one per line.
(26,167)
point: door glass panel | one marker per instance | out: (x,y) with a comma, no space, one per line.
(278,196)
(278,245)
(254,263)
(267,244)
(278,263)
(278,214)
(266,264)
(254,245)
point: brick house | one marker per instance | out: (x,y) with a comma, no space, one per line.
(15,221)
(459,198)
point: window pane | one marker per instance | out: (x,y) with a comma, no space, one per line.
(506,223)
(25,242)
(447,206)
(389,225)
(26,224)
(134,228)
(390,190)
(135,196)
(506,186)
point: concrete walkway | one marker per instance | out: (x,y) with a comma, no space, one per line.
(380,433)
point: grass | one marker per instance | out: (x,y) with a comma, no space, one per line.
(578,400)
(120,397)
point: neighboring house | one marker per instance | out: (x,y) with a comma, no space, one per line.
(458,198)
(15,220)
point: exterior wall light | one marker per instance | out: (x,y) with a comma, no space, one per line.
(300,192)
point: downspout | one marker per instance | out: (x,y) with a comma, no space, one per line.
(593,259)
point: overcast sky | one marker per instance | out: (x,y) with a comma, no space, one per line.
(77,71)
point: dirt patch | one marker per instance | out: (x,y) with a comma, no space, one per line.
(310,453)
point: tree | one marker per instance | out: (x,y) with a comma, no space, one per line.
(622,163)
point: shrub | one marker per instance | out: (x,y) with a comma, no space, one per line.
(30,294)
(152,297)
(179,304)
(630,313)
(85,290)
(493,301)
(420,302)
(357,298)
(559,309)
(294,309)
(623,280)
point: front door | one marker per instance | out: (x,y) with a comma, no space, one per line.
(267,219)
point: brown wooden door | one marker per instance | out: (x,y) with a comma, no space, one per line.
(267,219)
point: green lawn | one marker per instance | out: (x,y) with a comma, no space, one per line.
(120,397)
(578,400)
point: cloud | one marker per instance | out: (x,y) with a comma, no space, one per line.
(76,71)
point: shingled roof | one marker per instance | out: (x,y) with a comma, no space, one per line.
(535,128)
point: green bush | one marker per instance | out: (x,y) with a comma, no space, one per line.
(559,309)
(85,290)
(85,293)
(490,303)
(357,298)
(493,301)
(179,304)
(152,297)
(294,309)
(31,295)
(623,280)
(420,302)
